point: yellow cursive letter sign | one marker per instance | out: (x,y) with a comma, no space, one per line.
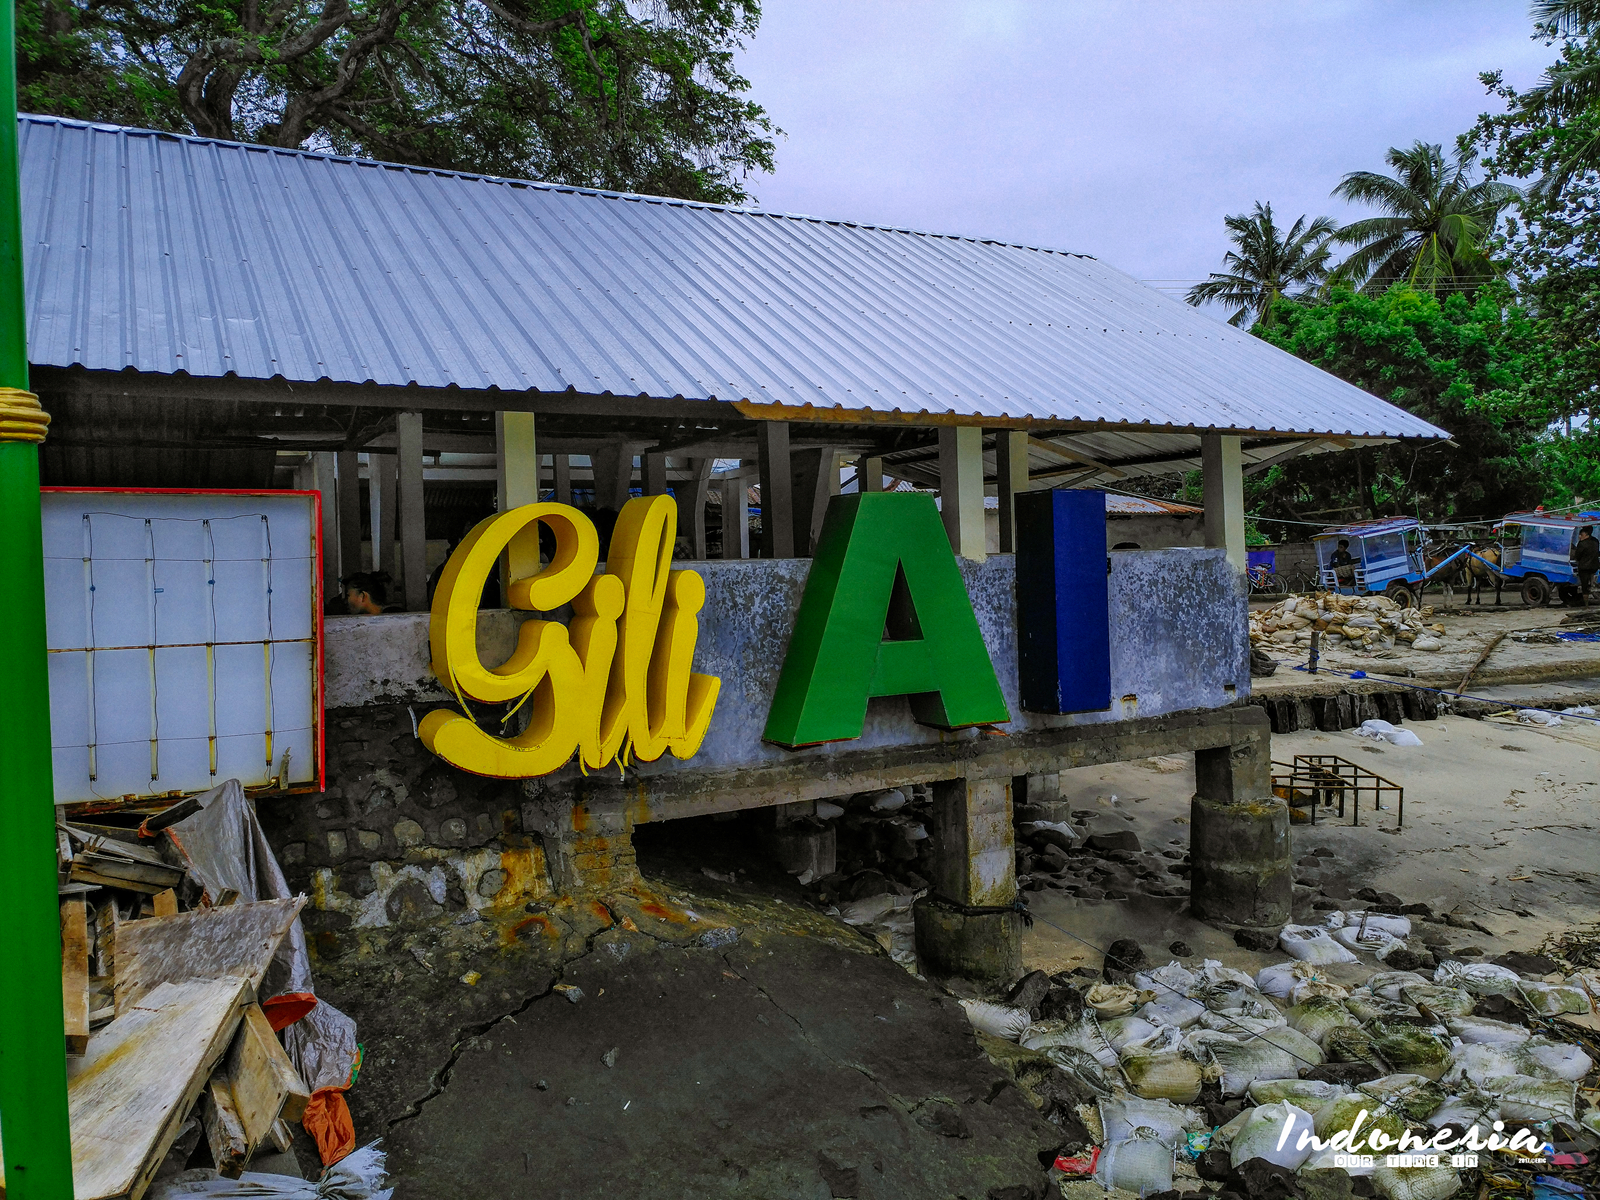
(620,677)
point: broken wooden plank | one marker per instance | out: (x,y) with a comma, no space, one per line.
(165,903)
(282,1137)
(110,870)
(230,1149)
(266,1085)
(75,973)
(208,943)
(105,939)
(128,1097)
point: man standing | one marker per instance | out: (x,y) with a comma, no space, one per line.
(1586,559)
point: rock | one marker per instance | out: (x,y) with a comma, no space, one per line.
(1470,952)
(842,1181)
(1325,1183)
(1407,960)
(1335,889)
(1181,950)
(1527,964)
(1214,1166)
(1345,1074)
(1054,858)
(1323,852)
(1091,893)
(1415,910)
(1264,1180)
(1124,958)
(1051,837)
(1310,860)
(1123,839)
(1260,940)
(1061,1004)
(1029,990)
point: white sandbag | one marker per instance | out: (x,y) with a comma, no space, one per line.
(1382,731)
(1174,977)
(1481,979)
(1445,1003)
(1550,999)
(1373,941)
(1369,1007)
(1319,1014)
(1479,1062)
(1414,1097)
(1297,981)
(1120,1031)
(1140,1164)
(1163,1076)
(1312,944)
(1426,642)
(1114,999)
(1120,1117)
(1263,1136)
(1341,1114)
(827,810)
(1291,1041)
(1242,1063)
(1483,1031)
(1524,1098)
(1241,1025)
(1166,1039)
(1468,1108)
(997,1020)
(1025,828)
(1415,1183)
(1214,974)
(1329,1158)
(1411,1048)
(1563,1060)
(359,1175)
(1309,1094)
(1098,1078)
(1083,1034)
(887,800)
(1534,716)
(1171,1008)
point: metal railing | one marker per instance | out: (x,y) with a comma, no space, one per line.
(1323,781)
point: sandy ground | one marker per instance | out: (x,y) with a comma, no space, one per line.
(1499,827)
(1469,630)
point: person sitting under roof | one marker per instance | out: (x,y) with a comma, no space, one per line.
(366,594)
(1343,562)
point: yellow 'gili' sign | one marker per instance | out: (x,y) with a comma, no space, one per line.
(617,682)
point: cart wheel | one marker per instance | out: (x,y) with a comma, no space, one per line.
(1571,595)
(1402,595)
(1535,591)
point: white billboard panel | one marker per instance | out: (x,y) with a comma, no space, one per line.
(185,632)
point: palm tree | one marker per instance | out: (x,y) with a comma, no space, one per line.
(1437,220)
(1266,264)
(1569,94)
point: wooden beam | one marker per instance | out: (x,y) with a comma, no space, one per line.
(263,1080)
(237,940)
(1011,477)
(348,473)
(561,467)
(230,1148)
(1291,452)
(777,498)
(412,515)
(75,973)
(691,497)
(1062,452)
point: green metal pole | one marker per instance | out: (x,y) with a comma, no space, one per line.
(33,1070)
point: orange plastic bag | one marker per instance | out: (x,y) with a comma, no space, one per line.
(327,1120)
(284,1009)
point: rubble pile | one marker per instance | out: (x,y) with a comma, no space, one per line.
(194,1037)
(1186,1077)
(1361,623)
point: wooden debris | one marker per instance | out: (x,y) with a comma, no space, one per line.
(128,1097)
(75,973)
(100,859)
(281,1138)
(266,1085)
(1482,658)
(230,1149)
(208,943)
(165,903)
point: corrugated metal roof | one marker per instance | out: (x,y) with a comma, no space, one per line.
(1119,504)
(1370,528)
(167,254)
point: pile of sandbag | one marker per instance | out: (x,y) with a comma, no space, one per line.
(1351,622)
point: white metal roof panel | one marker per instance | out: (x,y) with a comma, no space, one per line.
(166,254)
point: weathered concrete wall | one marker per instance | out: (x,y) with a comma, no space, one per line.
(1155,532)
(1178,641)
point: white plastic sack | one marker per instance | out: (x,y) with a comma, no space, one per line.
(1374,941)
(1533,716)
(1560,1059)
(1481,1062)
(1084,1035)
(359,1175)
(887,800)
(1415,1183)
(1242,1063)
(1241,1025)
(1263,1131)
(1297,982)
(1481,979)
(1309,1094)
(1311,943)
(1120,1031)
(1524,1098)
(1390,923)
(1328,1158)
(1165,1040)
(997,1020)
(1550,999)
(1169,1008)
(1445,1003)
(1140,1164)
(1482,1031)
(1369,1007)
(1316,1016)
(1471,1107)
(1382,731)
(1174,977)
(1114,999)
(1028,827)
(1120,1117)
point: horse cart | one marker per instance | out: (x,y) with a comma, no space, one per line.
(1535,550)
(1390,556)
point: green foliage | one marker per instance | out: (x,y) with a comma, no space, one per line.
(1266,264)
(634,95)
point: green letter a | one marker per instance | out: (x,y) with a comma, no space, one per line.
(883,563)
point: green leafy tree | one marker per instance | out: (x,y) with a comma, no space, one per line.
(1437,220)
(636,95)
(1266,264)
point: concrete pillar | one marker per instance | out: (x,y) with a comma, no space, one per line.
(1222,465)
(961,488)
(777,500)
(1011,478)
(324,482)
(1042,792)
(803,845)
(1239,851)
(413,578)
(655,475)
(974,866)
(561,465)
(736,516)
(816,479)
(691,497)
(516,453)
(869,473)
(588,841)
(381,498)
(348,466)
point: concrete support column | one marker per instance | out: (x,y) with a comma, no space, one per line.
(322,479)
(802,844)
(349,471)
(691,497)
(561,466)
(588,840)
(1011,476)
(516,453)
(777,499)
(961,488)
(1239,850)
(816,480)
(1042,792)
(655,475)
(736,516)
(381,499)
(413,577)
(974,866)
(1221,462)
(869,473)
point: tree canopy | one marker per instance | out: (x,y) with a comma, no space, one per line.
(634,95)
(1266,263)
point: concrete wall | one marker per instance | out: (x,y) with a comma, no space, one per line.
(1178,641)
(1155,531)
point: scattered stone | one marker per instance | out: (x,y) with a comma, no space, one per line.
(1259,940)
(1091,893)
(842,1181)
(1044,839)
(1124,957)
(1527,964)
(1181,950)
(610,1057)
(1470,952)
(1214,1166)
(1265,1180)
(1310,860)
(1345,1074)
(1415,910)
(1335,889)
(1061,1003)
(1123,839)
(1500,1008)
(1054,858)
(1323,852)
(1029,991)
(1407,960)
(1324,1183)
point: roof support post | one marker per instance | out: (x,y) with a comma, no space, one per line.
(412,516)
(816,479)
(691,498)
(348,465)
(322,480)
(1221,463)
(961,489)
(655,475)
(736,516)
(381,496)
(516,460)
(561,464)
(1011,477)
(777,500)
(613,475)
(869,473)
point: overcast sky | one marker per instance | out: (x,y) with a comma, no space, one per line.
(1125,130)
